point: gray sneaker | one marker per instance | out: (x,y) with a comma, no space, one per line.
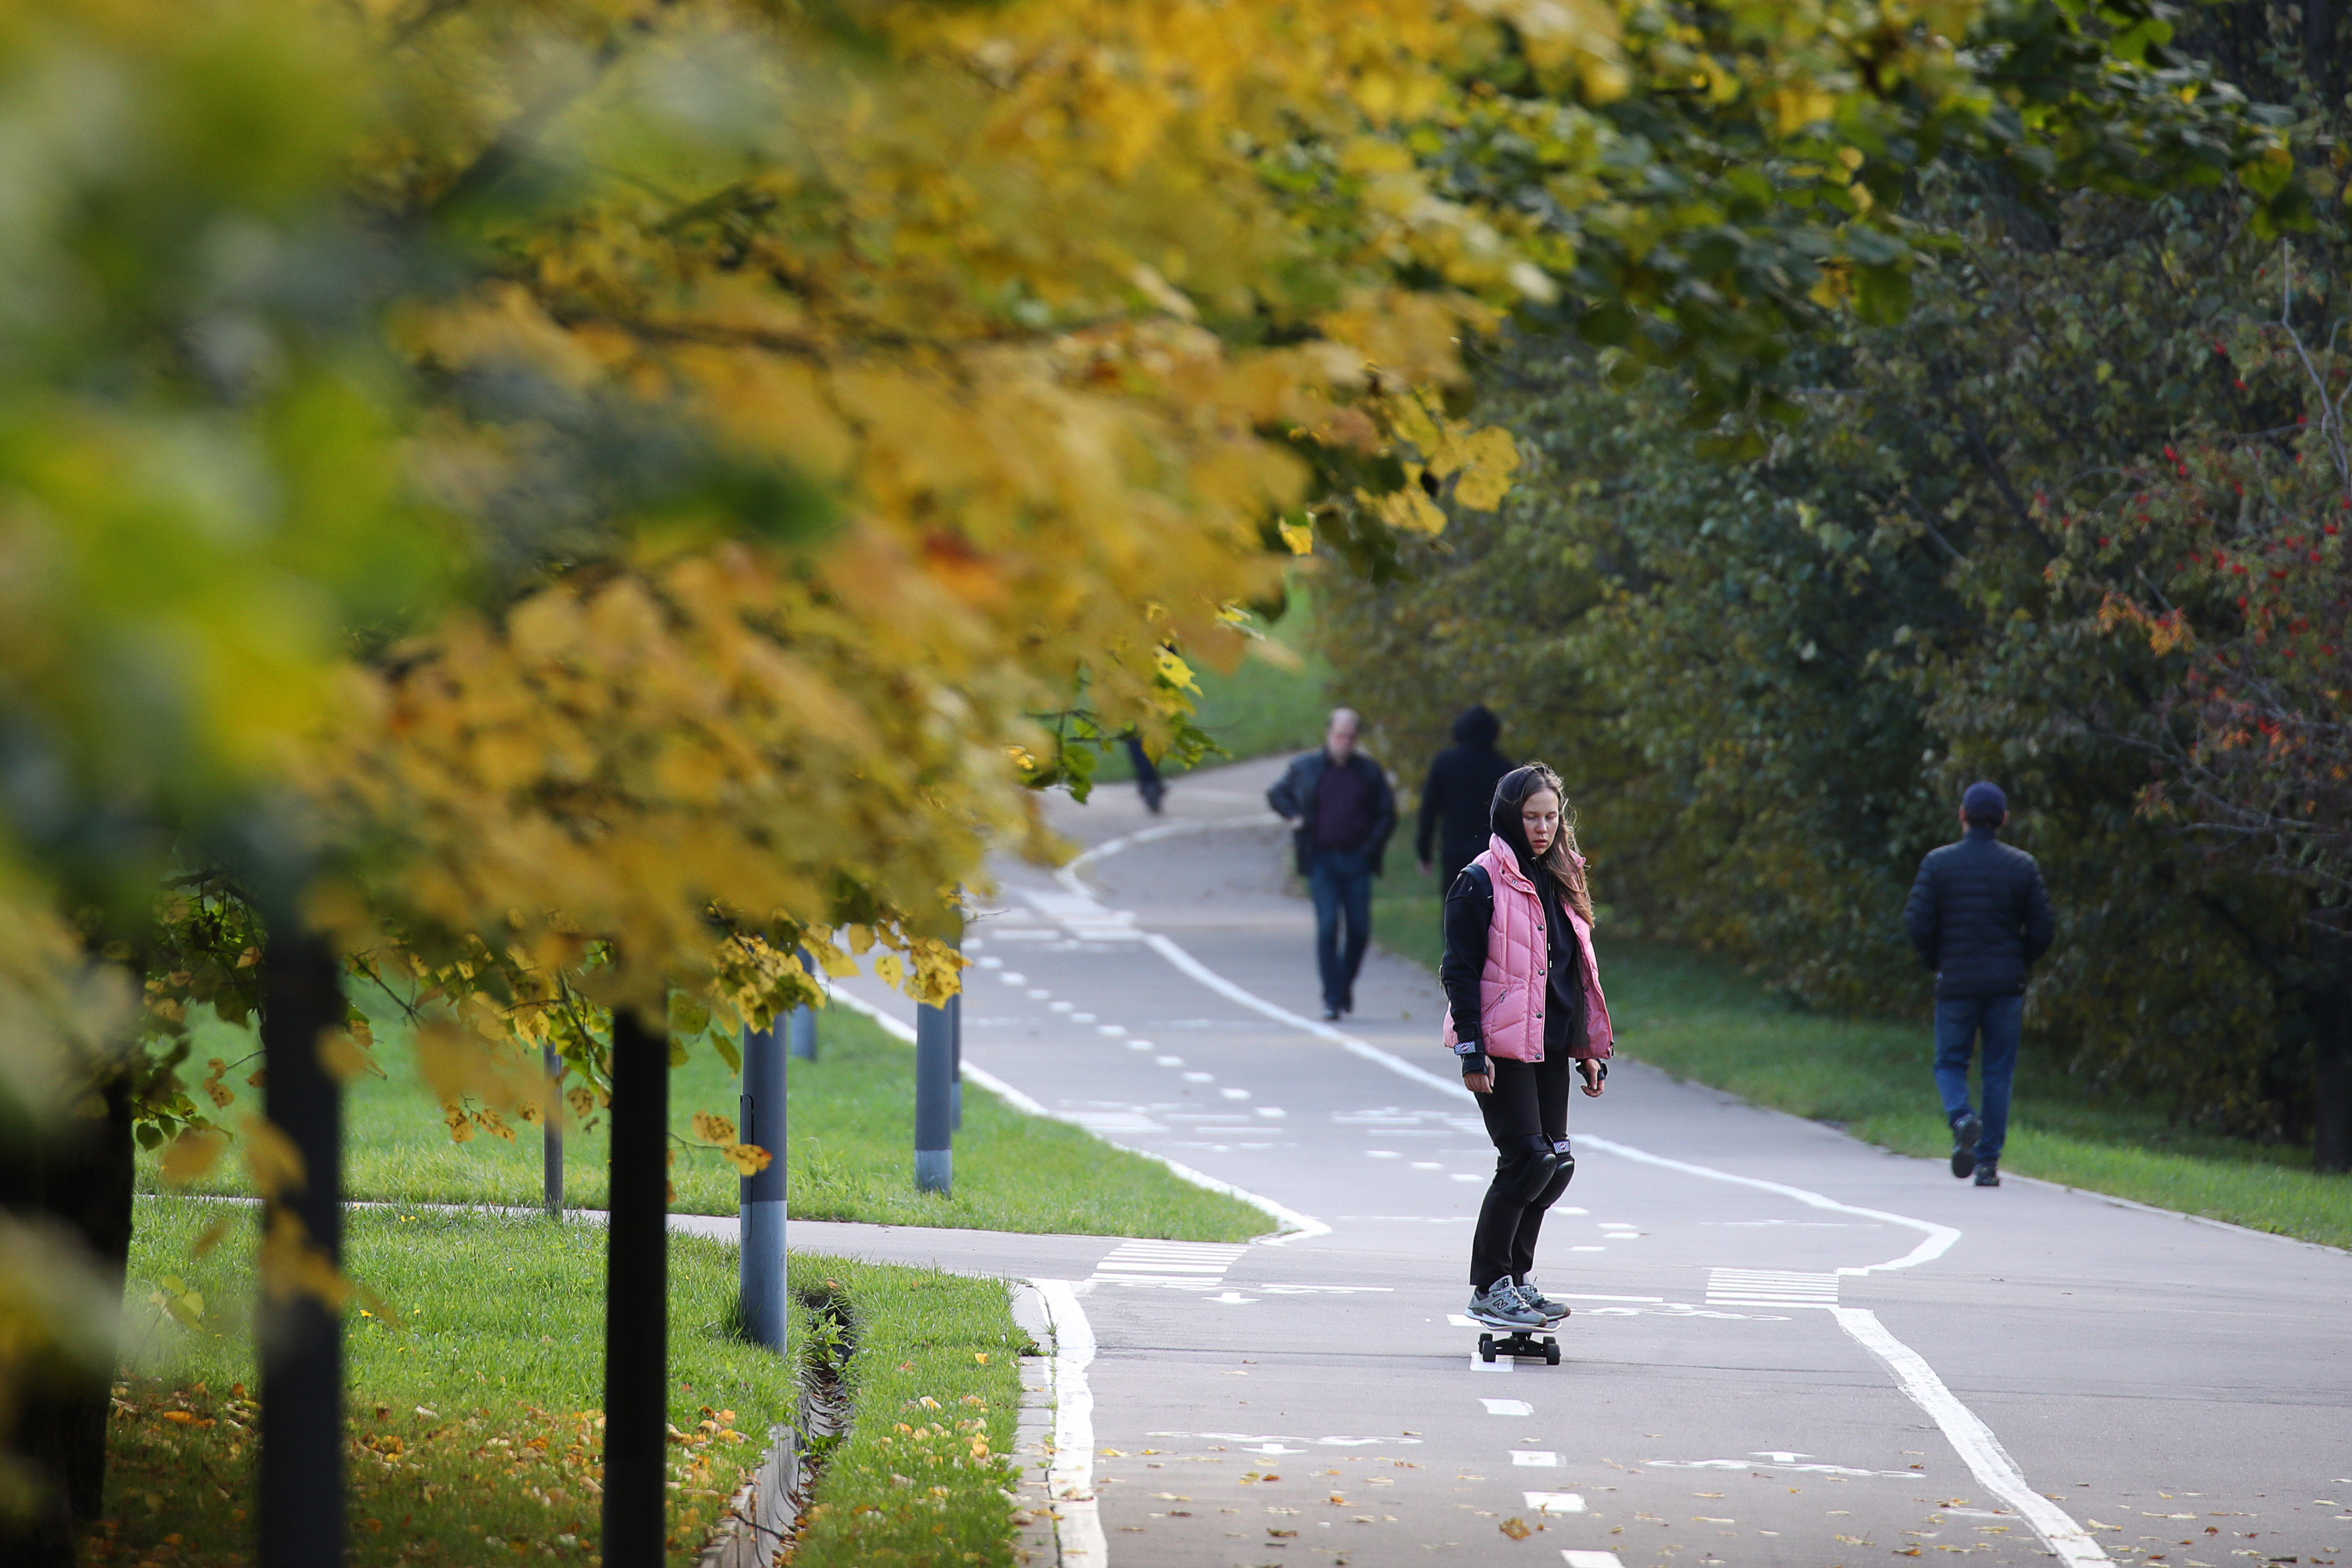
(1553,1312)
(1499,1306)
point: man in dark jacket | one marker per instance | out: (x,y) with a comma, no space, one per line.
(1979,917)
(1345,811)
(1459,793)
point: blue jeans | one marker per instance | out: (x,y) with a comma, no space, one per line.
(1959,1020)
(1342,881)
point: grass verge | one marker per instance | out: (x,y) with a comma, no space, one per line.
(851,1157)
(474,1379)
(1700,1017)
(922,1475)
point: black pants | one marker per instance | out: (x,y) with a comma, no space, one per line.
(1529,1102)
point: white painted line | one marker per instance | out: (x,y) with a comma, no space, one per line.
(1068,875)
(1070,1480)
(1500,1363)
(1507,1406)
(1938,1238)
(1535,1458)
(1294,1223)
(1591,1559)
(1971,1437)
(1555,1503)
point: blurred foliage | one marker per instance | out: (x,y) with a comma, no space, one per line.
(581,501)
(2072,525)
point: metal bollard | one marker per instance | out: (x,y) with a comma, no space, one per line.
(803,1021)
(760,1112)
(955,1061)
(934,1099)
(551,1135)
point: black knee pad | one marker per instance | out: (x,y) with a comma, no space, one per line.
(1567,1158)
(1528,1170)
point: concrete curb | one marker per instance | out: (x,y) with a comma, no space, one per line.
(760,1517)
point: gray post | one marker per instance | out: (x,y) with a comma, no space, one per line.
(764,1122)
(550,1134)
(955,1061)
(803,1024)
(934,1114)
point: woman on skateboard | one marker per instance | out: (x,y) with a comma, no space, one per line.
(1523,1003)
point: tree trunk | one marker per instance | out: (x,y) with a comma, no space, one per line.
(301,1495)
(2329,1009)
(636,1300)
(78,1174)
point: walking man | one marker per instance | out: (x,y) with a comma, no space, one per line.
(1459,798)
(1345,811)
(1979,917)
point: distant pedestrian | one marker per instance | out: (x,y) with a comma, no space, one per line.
(1344,810)
(1979,916)
(1147,782)
(1523,1001)
(1459,794)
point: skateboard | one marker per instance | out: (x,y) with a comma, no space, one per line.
(1535,1343)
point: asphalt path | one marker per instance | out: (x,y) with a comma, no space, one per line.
(1788,1347)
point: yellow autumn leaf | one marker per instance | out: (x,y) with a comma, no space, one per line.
(713,1129)
(747,1158)
(192,1154)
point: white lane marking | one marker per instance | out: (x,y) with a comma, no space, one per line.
(1507,1406)
(1141,1045)
(1974,1441)
(1938,1239)
(1200,1078)
(1059,1006)
(1427,1165)
(1535,1458)
(1272,1111)
(1590,1559)
(1770,1287)
(1235,1093)
(1295,1225)
(1070,1480)
(1555,1503)
(992,963)
(1986,1459)
(1500,1363)
(1113,1030)
(1169,1061)
(1382,1154)
(1068,875)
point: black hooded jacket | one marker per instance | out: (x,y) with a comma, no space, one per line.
(1470,918)
(1979,916)
(1459,792)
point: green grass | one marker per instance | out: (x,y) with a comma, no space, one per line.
(851,1155)
(1277,703)
(473,1425)
(1700,1017)
(922,1475)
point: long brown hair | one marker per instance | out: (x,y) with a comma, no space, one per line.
(1563,860)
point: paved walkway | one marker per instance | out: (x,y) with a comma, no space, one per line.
(1789,1347)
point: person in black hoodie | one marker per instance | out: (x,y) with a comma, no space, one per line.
(1979,916)
(1459,789)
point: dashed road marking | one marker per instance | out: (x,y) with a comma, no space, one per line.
(1770,1287)
(1507,1406)
(1555,1503)
(1535,1458)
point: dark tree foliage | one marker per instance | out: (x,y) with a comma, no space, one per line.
(2008,537)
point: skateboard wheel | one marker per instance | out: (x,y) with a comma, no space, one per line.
(1551,1352)
(1486,1347)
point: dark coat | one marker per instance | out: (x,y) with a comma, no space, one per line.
(1459,793)
(1293,795)
(1979,916)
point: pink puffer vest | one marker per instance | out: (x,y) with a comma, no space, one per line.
(1511,990)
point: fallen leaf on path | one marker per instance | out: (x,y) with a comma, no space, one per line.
(1516,1528)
